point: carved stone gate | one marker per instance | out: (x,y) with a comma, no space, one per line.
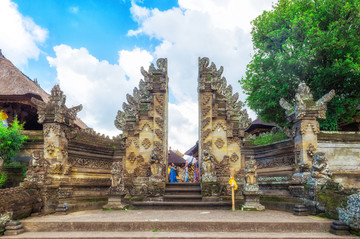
(221,130)
(145,126)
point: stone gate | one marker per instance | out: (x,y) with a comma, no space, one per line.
(145,126)
(221,130)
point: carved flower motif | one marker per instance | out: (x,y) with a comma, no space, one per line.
(132,157)
(234,157)
(146,143)
(219,143)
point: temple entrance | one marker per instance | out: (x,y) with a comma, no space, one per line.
(144,122)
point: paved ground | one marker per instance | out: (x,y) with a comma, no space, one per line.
(176,216)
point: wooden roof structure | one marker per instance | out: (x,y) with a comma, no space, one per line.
(175,158)
(17,88)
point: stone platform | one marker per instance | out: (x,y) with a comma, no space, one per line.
(176,224)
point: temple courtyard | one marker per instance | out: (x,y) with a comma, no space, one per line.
(176,224)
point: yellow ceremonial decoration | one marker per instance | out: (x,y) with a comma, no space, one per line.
(233,182)
(3,116)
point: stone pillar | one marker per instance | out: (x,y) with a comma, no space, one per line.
(305,125)
(144,124)
(57,121)
(221,129)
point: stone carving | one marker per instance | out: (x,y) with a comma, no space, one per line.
(117,189)
(159,121)
(276,162)
(205,99)
(311,150)
(205,111)
(305,126)
(219,126)
(56,105)
(38,164)
(132,157)
(156,159)
(64,193)
(304,101)
(208,173)
(130,141)
(251,175)
(320,168)
(251,188)
(205,122)
(222,168)
(89,163)
(37,169)
(219,143)
(146,143)
(234,157)
(159,133)
(116,173)
(205,134)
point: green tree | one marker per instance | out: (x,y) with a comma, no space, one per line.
(11,141)
(314,41)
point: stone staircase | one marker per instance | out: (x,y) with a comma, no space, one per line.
(180,196)
(186,224)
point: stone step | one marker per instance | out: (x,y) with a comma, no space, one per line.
(176,205)
(179,190)
(181,235)
(182,185)
(183,198)
(175,226)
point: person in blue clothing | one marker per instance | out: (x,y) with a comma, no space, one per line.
(173,174)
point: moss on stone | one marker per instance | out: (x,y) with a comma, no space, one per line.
(332,196)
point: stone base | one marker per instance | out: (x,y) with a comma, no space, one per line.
(300,210)
(114,202)
(61,209)
(339,228)
(252,201)
(14,228)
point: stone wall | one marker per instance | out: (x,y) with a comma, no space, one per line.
(19,201)
(275,166)
(90,156)
(342,150)
(35,142)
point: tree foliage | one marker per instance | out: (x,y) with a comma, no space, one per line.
(314,41)
(11,140)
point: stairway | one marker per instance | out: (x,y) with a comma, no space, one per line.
(182,196)
(187,224)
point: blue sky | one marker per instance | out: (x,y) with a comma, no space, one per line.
(94,49)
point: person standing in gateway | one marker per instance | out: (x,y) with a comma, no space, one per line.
(190,164)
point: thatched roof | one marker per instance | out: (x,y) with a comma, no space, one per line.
(175,158)
(258,123)
(15,86)
(13,83)
(193,150)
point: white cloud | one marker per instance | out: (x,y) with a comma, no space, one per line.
(219,30)
(74,9)
(20,36)
(183,121)
(100,86)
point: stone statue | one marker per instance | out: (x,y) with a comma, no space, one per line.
(117,189)
(38,164)
(251,188)
(251,175)
(116,174)
(250,170)
(208,167)
(155,166)
(320,168)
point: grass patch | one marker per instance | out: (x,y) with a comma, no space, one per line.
(269,139)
